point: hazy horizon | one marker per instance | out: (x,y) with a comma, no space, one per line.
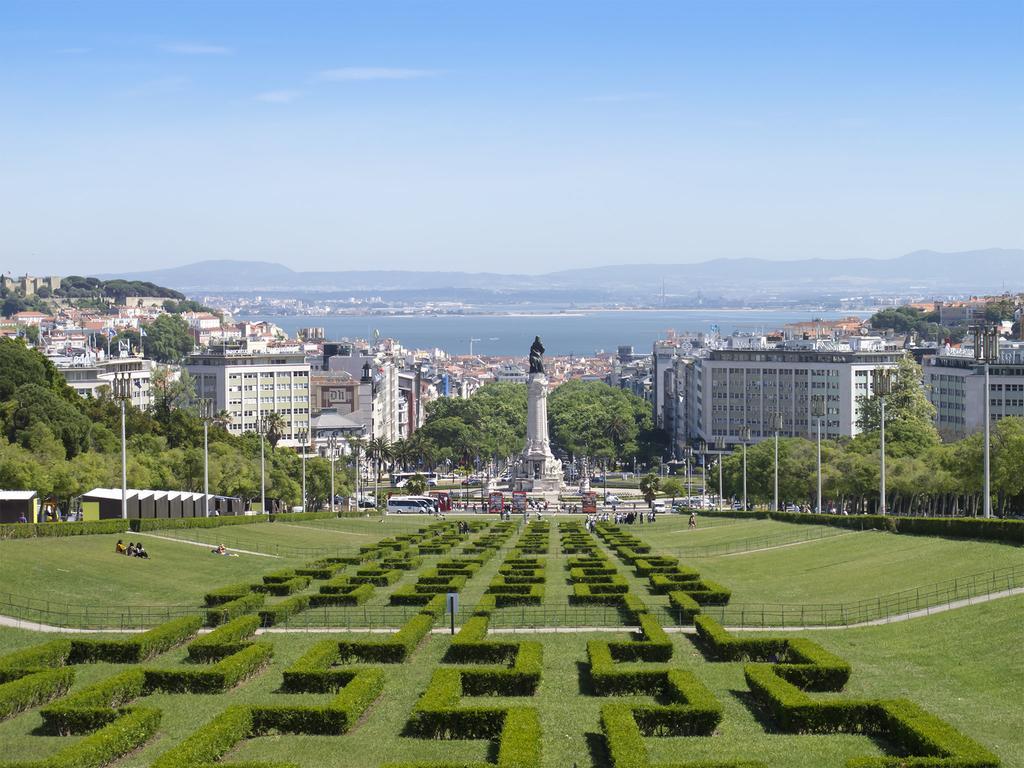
(514,138)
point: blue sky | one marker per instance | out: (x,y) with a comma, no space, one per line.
(511,136)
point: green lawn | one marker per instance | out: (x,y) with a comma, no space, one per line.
(966,666)
(840,568)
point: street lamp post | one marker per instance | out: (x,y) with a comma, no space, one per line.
(882,386)
(206,413)
(332,448)
(775,420)
(123,393)
(261,426)
(687,457)
(720,445)
(303,436)
(986,350)
(744,439)
(818,411)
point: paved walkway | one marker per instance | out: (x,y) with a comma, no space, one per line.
(205,544)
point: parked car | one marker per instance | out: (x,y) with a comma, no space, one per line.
(611,498)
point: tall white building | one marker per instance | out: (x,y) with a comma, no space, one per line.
(955,384)
(87,376)
(254,380)
(743,387)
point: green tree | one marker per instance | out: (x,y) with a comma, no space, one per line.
(417,485)
(649,485)
(909,426)
(167,339)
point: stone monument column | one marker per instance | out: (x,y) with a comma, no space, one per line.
(541,471)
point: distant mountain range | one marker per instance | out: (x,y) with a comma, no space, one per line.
(922,271)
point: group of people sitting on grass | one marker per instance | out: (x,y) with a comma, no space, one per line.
(132,550)
(220,549)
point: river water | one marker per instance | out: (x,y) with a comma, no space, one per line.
(579,333)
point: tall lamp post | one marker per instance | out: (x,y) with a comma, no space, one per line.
(206,413)
(303,436)
(720,446)
(881,382)
(332,448)
(818,411)
(261,426)
(744,439)
(775,421)
(123,393)
(688,457)
(986,350)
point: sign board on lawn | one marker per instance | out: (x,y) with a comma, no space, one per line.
(590,503)
(519,501)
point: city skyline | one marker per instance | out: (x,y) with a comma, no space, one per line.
(454,136)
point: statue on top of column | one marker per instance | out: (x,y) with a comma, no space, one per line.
(536,356)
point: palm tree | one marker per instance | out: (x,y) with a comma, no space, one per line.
(649,484)
(275,427)
(616,429)
(381,451)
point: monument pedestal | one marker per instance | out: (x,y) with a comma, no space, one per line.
(539,470)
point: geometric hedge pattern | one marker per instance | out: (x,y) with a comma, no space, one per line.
(794,682)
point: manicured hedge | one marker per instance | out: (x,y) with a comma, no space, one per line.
(685,606)
(393,650)
(285,517)
(352,595)
(160,523)
(127,733)
(33,688)
(137,648)
(232,609)
(340,714)
(40,530)
(227,639)
(282,588)
(95,706)
(226,594)
(211,742)
(924,739)
(990,529)
(211,678)
(272,614)
(52,654)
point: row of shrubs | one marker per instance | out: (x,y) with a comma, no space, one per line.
(34,530)
(985,529)
(132,650)
(923,738)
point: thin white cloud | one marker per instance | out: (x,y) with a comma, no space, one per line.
(617,98)
(278,97)
(353,74)
(195,49)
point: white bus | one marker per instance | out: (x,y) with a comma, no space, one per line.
(421,505)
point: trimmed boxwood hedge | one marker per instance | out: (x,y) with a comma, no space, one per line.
(127,733)
(211,678)
(95,706)
(162,523)
(340,714)
(137,648)
(232,609)
(225,640)
(32,687)
(984,529)
(40,530)
(272,614)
